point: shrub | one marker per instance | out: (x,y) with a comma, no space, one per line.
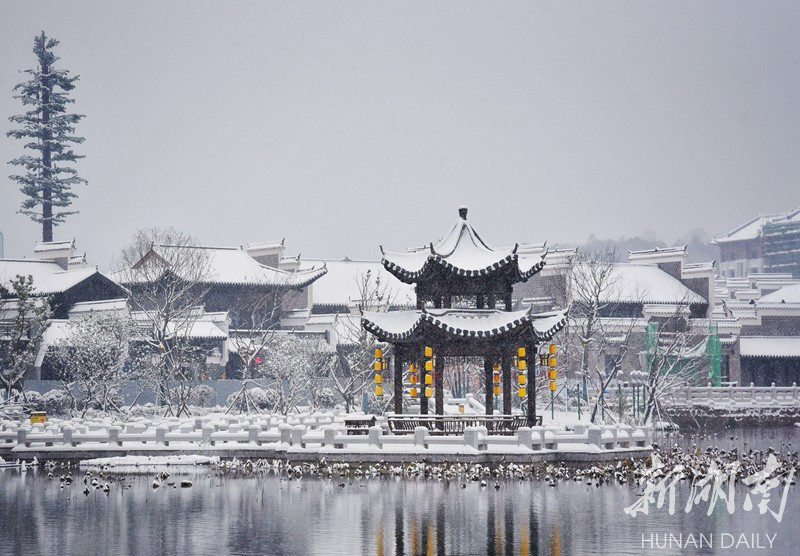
(202,395)
(262,398)
(34,399)
(57,402)
(325,398)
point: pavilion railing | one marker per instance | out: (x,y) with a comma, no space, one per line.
(455,424)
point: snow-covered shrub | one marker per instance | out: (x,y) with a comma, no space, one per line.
(202,395)
(34,399)
(325,398)
(56,402)
(146,410)
(261,398)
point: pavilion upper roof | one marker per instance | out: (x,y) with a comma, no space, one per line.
(464,253)
(394,326)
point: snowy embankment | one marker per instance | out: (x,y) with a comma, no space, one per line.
(126,463)
(310,437)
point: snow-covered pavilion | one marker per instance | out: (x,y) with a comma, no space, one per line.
(463,309)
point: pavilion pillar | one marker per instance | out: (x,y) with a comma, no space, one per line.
(488,384)
(438,383)
(505,362)
(423,400)
(532,366)
(398,381)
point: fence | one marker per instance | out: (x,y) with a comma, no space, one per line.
(314,433)
(733,396)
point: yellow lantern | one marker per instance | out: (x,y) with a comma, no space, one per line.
(378,366)
(413,392)
(521,352)
(429,365)
(552,374)
(428,379)
(552,361)
(496,378)
(412,378)
(428,391)
(522,365)
(522,392)
(378,353)
(378,379)
(553,386)
(428,351)
(522,380)
(379,391)
(553,349)
(497,390)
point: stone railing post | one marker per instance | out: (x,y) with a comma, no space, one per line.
(252,434)
(375,433)
(297,433)
(286,433)
(208,430)
(161,435)
(525,437)
(475,437)
(113,435)
(419,436)
(66,433)
(22,436)
(594,435)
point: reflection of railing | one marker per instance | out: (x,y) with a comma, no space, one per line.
(455,424)
(734,396)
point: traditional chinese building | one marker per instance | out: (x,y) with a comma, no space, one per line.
(463,309)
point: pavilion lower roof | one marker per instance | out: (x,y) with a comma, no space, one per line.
(399,326)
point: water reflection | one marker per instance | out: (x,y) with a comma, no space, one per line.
(243,515)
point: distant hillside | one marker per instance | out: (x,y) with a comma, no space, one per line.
(698,241)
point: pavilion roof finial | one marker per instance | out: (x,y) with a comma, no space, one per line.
(462,212)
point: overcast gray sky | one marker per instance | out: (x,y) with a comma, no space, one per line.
(341,125)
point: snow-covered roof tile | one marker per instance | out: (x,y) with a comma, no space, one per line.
(787,294)
(471,323)
(48,277)
(748,230)
(769,346)
(340,286)
(45,246)
(232,265)
(640,283)
(105,305)
(462,252)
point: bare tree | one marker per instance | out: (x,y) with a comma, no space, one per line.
(613,343)
(24,318)
(591,283)
(356,349)
(296,364)
(167,276)
(673,360)
(464,375)
(90,361)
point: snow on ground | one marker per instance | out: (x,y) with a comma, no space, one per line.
(149,461)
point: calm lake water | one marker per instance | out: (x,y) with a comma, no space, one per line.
(232,513)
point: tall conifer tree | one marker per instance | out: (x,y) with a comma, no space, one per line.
(49,131)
